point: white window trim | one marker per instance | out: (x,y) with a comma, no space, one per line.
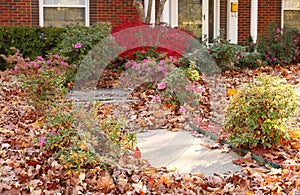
(86,6)
(282,12)
(254,20)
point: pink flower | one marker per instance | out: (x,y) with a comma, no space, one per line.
(77,45)
(189,87)
(64,63)
(160,68)
(48,61)
(276,39)
(162,61)
(275,59)
(42,141)
(74,65)
(182,109)
(16,67)
(40,58)
(199,90)
(127,65)
(143,51)
(145,60)
(37,65)
(155,98)
(278,30)
(133,64)
(199,120)
(161,86)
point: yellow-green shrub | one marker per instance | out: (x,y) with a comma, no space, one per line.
(256,115)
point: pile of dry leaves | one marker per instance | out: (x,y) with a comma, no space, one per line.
(26,169)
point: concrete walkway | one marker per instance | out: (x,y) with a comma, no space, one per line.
(185,152)
(180,150)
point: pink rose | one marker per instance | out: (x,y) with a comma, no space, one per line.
(161,86)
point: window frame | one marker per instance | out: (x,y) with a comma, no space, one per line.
(283,8)
(86,10)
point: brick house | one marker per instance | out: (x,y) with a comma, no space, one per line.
(238,19)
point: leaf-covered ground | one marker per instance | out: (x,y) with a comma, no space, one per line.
(26,169)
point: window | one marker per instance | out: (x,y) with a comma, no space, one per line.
(291,13)
(190,15)
(60,13)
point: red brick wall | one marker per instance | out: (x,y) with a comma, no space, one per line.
(15,12)
(109,10)
(93,11)
(244,18)
(35,15)
(268,11)
(223,16)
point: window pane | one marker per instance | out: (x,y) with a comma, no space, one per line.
(64,2)
(292,18)
(190,15)
(61,17)
(291,4)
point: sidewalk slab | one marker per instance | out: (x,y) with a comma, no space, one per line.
(185,152)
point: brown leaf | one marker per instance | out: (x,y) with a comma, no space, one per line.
(242,161)
(105,183)
(137,153)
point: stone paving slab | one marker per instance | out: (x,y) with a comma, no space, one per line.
(185,152)
(104,95)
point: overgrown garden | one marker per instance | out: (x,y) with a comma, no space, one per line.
(50,146)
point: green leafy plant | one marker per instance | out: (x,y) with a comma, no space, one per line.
(78,40)
(31,41)
(191,72)
(224,53)
(179,89)
(64,140)
(279,46)
(43,79)
(256,115)
(117,134)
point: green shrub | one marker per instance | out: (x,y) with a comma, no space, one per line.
(279,46)
(256,115)
(43,79)
(78,40)
(31,41)
(224,53)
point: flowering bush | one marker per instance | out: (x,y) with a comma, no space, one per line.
(147,71)
(42,79)
(78,40)
(256,115)
(177,88)
(279,46)
(224,53)
(176,85)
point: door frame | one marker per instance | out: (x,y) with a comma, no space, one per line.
(170,16)
(216,19)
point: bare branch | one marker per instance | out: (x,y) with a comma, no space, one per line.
(149,12)
(138,5)
(160,11)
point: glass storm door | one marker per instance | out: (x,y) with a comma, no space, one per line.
(190,16)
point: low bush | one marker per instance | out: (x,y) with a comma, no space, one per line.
(279,45)
(43,79)
(78,40)
(256,115)
(31,41)
(224,53)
